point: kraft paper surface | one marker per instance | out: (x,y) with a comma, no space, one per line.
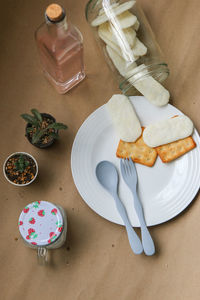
(96,263)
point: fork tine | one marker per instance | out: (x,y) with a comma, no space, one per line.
(125,173)
(122,167)
(132,165)
(127,167)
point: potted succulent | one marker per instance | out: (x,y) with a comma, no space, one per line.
(41,129)
(20,168)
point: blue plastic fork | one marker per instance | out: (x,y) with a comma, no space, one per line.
(129,175)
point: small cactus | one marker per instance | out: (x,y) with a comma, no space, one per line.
(38,129)
(21,164)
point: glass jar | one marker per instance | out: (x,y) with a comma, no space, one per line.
(43,226)
(130,47)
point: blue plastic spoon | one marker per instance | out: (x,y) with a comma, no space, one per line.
(107,175)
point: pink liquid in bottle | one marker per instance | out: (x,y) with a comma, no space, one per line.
(60,46)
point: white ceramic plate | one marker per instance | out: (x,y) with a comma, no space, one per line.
(164,189)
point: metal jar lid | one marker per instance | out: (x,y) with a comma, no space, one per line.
(40,223)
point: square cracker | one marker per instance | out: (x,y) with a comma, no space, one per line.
(176,149)
(138,151)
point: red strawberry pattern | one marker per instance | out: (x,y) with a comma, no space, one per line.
(40,223)
(51,234)
(26,210)
(31,234)
(32,221)
(60,229)
(33,243)
(41,213)
(54,211)
(30,231)
(59,226)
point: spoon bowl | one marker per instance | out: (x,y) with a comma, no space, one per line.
(107,175)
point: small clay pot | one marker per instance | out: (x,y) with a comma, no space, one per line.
(30,158)
(40,144)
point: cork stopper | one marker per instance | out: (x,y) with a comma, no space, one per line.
(54,12)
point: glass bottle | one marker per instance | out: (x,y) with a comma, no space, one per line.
(130,48)
(60,46)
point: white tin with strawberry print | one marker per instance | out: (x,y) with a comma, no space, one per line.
(43,225)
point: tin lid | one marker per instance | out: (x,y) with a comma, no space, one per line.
(40,223)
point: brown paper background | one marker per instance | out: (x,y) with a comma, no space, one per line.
(96,262)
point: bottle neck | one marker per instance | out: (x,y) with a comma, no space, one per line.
(58,28)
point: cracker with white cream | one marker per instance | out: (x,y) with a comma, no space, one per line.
(138,151)
(167,131)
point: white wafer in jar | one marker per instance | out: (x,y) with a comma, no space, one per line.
(127,38)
